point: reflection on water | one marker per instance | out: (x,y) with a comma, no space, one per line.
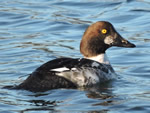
(34,32)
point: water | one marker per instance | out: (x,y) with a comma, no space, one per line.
(36,31)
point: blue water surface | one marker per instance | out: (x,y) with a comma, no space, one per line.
(33,32)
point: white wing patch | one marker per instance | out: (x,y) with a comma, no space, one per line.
(73,69)
(60,69)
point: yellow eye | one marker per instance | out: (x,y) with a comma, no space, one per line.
(104,31)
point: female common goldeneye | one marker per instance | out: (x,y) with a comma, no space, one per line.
(93,69)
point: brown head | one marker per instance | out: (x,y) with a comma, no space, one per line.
(98,37)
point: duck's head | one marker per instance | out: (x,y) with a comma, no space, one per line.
(100,36)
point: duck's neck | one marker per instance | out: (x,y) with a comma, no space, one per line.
(101,58)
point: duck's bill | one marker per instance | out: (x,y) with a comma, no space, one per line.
(119,41)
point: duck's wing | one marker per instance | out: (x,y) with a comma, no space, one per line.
(60,73)
(85,72)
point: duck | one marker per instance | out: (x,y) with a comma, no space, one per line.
(93,69)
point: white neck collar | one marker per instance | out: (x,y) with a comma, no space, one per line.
(101,58)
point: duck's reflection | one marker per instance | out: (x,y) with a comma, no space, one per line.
(102,94)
